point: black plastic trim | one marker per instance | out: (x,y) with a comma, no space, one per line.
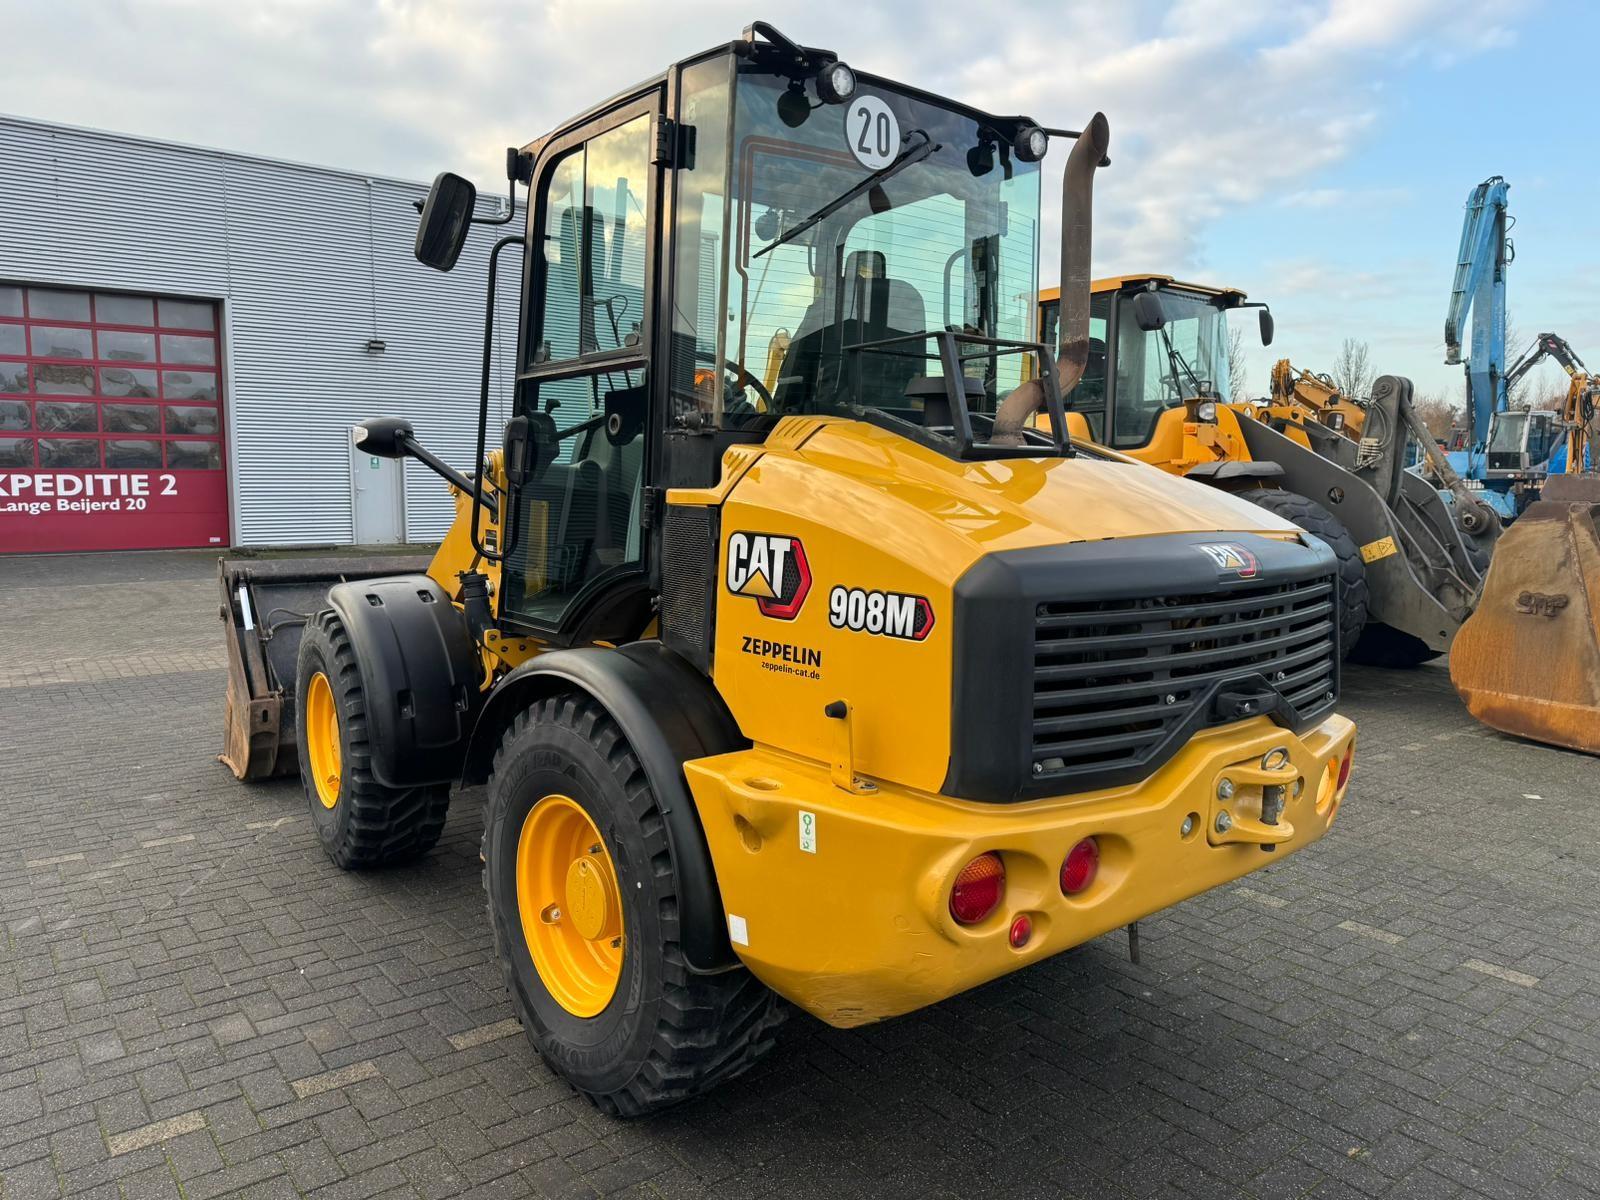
(419,670)
(670,714)
(996,606)
(1227,470)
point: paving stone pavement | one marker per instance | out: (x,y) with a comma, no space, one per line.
(194,1002)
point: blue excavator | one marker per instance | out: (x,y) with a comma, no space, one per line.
(1505,451)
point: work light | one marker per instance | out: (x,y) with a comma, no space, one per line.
(836,83)
(1031,143)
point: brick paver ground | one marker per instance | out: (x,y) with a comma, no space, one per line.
(194,1002)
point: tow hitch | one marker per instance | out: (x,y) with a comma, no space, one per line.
(1248,802)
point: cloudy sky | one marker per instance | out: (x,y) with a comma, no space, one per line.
(1314,152)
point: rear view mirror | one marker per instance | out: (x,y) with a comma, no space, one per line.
(1266,326)
(445,219)
(1148,313)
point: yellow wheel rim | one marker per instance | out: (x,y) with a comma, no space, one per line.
(570,904)
(322,739)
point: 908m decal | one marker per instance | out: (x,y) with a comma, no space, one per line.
(891,614)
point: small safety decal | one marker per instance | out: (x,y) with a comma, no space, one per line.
(1382,548)
(808,832)
(738,930)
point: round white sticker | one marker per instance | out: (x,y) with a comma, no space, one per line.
(872,132)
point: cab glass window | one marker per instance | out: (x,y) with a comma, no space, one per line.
(579,519)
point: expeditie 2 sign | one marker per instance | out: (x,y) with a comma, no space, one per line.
(111,510)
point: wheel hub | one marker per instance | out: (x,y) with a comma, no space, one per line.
(571,909)
(322,739)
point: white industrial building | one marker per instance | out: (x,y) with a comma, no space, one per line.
(187,336)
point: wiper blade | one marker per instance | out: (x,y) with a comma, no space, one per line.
(1175,360)
(912,154)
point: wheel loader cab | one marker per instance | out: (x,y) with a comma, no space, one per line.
(801,651)
(754,249)
(1136,375)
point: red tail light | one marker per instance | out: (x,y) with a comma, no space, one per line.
(978,890)
(1081,866)
(1344,767)
(1021,931)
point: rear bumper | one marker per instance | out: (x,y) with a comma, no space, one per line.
(856,928)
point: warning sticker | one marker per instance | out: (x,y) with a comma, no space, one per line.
(1382,548)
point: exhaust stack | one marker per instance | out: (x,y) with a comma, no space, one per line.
(1077,224)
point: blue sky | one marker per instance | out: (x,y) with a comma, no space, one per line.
(1367,247)
(1314,152)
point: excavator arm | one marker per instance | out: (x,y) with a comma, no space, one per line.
(1479,292)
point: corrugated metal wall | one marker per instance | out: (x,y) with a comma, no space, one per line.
(310,264)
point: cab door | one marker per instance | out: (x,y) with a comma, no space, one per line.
(575,546)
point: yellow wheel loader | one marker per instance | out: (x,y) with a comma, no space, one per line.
(1527,661)
(1157,390)
(842,684)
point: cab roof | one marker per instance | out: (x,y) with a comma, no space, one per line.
(1116,283)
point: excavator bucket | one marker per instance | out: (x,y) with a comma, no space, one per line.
(265,605)
(1527,661)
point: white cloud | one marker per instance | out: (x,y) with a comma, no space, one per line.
(1214,104)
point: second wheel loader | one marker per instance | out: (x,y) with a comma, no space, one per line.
(844,685)
(1157,390)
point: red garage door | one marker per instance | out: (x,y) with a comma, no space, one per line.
(110,422)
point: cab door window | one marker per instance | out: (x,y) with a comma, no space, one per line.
(578,522)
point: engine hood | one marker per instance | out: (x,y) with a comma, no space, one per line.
(1007,504)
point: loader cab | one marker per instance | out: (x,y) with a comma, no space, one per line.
(729,245)
(1135,374)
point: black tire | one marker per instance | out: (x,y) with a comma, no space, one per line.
(667,1034)
(1385,646)
(369,825)
(1319,522)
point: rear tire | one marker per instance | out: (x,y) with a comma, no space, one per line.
(663,1034)
(1385,646)
(361,822)
(1319,522)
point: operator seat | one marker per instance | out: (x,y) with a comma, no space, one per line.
(869,306)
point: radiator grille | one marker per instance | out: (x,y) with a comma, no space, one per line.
(1114,680)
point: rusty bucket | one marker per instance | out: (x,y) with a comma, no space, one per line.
(1527,662)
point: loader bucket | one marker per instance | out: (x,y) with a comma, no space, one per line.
(1527,661)
(265,605)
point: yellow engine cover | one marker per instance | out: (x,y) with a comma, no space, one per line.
(841,544)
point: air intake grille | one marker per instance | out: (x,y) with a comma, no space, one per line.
(1116,680)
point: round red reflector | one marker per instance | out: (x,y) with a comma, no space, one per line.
(1021,931)
(1081,866)
(1344,767)
(979,889)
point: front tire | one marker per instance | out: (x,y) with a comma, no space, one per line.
(587,930)
(1319,522)
(361,823)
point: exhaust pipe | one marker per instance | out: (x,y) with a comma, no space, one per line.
(1077,223)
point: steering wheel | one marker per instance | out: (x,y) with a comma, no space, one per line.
(743,379)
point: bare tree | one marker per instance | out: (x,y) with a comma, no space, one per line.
(1353,373)
(1555,399)
(1238,363)
(1437,413)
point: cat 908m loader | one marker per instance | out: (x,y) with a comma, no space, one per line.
(803,666)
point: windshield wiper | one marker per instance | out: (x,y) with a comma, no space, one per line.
(1176,360)
(912,154)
